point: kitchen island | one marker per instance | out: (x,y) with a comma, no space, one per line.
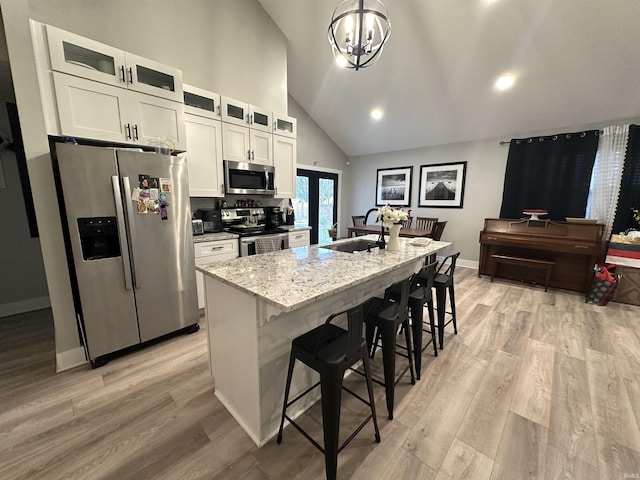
(256,305)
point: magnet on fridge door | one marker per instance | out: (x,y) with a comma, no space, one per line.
(163,211)
(166,185)
(143,181)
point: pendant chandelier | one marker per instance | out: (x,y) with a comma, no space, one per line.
(358,31)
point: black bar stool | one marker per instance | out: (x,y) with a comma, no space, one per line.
(331,350)
(384,317)
(443,282)
(421,295)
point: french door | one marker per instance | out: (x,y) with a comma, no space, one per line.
(316,203)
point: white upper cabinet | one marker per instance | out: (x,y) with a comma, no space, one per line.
(246,132)
(284,156)
(234,112)
(285,125)
(86,58)
(90,109)
(204,156)
(259,119)
(202,103)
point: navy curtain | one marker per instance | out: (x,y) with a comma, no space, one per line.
(630,184)
(551,173)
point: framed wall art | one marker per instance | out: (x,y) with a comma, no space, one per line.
(442,185)
(393,186)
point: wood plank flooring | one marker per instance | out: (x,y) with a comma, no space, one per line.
(536,385)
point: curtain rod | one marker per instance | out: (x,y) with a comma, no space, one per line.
(508,142)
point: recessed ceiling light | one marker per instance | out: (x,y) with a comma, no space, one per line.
(505,82)
(376,114)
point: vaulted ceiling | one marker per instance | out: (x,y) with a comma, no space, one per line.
(576,62)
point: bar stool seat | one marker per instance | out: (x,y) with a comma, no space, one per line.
(331,350)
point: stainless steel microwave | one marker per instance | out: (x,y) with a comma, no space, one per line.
(248,178)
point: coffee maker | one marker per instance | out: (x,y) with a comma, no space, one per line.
(273,217)
(211,218)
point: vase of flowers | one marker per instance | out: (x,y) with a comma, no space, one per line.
(391,218)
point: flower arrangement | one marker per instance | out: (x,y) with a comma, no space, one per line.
(389,215)
(636,215)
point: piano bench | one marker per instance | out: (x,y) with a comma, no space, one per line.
(527,262)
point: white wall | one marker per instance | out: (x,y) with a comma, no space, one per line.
(486,161)
(486,164)
(23,286)
(315,149)
(231,47)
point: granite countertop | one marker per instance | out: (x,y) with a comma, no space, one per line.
(291,279)
(212,237)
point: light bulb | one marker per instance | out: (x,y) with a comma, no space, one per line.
(369,19)
(348,23)
(341,61)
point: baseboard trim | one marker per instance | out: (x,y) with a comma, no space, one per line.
(23,306)
(467,263)
(70,359)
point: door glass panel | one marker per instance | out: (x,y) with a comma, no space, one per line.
(199,101)
(235,111)
(155,78)
(284,126)
(260,119)
(301,202)
(326,202)
(83,57)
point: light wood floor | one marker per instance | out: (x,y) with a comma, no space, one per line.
(536,385)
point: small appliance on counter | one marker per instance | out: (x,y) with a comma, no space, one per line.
(273,217)
(197,226)
(211,219)
(290,215)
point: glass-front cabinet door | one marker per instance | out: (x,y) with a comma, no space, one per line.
(234,111)
(86,58)
(259,119)
(154,78)
(284,125)
(201,102)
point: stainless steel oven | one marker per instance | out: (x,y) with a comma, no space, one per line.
(252,245)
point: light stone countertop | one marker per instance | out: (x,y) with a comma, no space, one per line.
(293,228)
(212,237)
(291,279)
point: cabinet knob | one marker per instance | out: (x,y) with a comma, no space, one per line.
(122,76)
(130,75)
(248,154)
(127,129)
(135,132)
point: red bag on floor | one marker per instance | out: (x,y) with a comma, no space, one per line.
(604,285)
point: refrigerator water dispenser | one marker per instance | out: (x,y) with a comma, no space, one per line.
(99,237)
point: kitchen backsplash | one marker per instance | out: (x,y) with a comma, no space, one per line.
(231,200)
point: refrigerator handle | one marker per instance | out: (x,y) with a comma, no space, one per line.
(132,231)
(124,249)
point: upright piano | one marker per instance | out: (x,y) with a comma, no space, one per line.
(573,247)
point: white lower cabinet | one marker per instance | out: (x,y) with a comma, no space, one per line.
(299,238)
(204,156)
(95,110)
(214,251)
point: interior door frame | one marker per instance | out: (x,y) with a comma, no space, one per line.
(315,168)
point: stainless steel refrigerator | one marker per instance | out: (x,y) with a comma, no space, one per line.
(129,245)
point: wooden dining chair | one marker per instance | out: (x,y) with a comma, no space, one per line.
(407,223)
(436,232)
(425,223)
(358,220)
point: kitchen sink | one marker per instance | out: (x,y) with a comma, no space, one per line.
(350,247)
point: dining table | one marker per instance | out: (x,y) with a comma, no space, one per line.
(375,230)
